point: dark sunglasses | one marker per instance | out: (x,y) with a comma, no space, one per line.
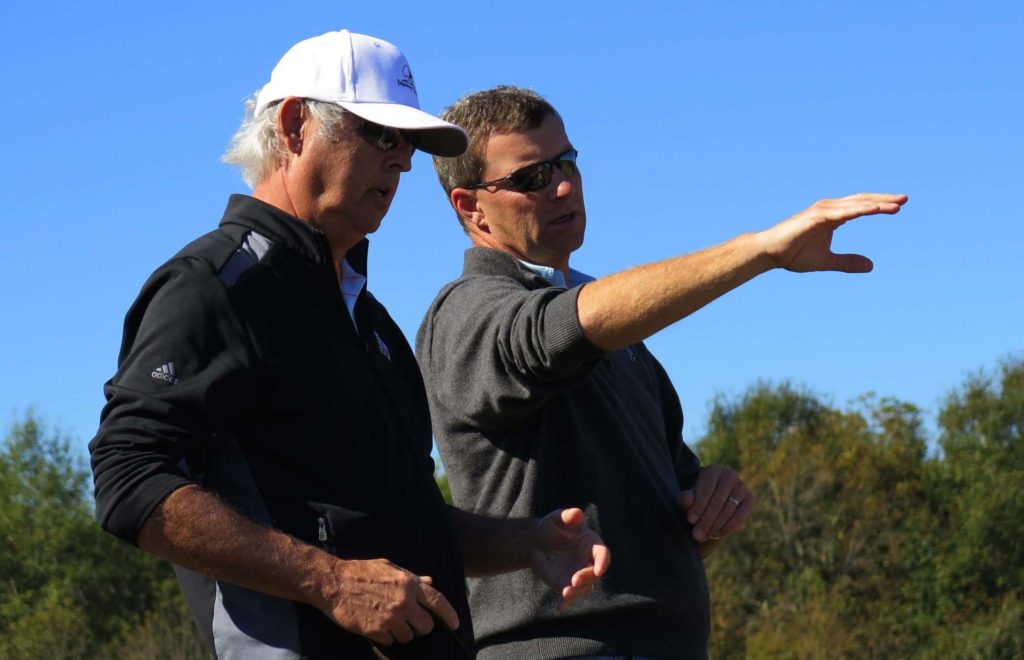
(536,176)
(384,138)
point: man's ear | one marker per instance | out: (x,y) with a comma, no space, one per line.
(291,116)
(465,204)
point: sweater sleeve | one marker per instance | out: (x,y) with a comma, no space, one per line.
(494,352)
(182,374)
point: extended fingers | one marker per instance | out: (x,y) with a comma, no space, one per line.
(571,518)
(880,198)
(602,558)
(851,263)
(583,577)
(854,206)
(583,583)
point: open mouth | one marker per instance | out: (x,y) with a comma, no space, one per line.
(562,219)
(383,192)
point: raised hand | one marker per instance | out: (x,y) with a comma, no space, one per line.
(803,243)
(567,555)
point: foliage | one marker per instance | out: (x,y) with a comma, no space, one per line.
(868,541)
(863,543)
(68,589)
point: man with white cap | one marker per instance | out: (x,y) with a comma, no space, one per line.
(267,430)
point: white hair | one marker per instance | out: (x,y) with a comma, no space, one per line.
(255,147)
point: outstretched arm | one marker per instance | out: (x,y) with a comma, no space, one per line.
(559,548)
(373,598)
(629,306)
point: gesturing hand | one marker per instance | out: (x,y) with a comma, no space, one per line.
(567,555)
(381,601)
(803,243)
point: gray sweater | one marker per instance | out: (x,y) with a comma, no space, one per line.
(529,416)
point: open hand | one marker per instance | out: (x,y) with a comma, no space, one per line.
(567,555)
(803,243)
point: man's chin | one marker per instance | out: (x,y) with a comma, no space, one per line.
(370,224)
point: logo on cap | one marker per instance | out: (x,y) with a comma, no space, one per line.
(406,80)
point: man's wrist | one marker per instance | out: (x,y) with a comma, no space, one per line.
(764,258)
(526,534)
(322,577)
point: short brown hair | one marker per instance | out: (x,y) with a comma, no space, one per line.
(502,109)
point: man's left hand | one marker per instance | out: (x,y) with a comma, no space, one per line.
(718,505)
(567,555)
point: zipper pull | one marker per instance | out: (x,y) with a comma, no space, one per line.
(323,528)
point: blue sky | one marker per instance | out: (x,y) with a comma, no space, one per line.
(694,121)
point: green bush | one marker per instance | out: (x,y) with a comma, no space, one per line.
(68,589)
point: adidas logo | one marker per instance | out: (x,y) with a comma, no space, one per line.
(166,372)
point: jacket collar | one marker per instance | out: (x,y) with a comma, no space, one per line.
(287,230)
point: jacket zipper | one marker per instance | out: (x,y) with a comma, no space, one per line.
(322,528)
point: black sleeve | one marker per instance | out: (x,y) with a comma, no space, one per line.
(184,371)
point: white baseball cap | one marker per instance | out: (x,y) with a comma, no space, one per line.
(367,76)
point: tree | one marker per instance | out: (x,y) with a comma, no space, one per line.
(864,544)
(68,589)
(825,559)
(980,573)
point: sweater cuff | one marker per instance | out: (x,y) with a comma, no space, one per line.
(569,347)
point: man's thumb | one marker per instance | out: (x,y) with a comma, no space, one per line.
(571,517)
(686,500)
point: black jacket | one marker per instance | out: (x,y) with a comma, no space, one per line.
(241,370)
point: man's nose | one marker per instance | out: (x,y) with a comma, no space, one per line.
(401,156)
(563,185)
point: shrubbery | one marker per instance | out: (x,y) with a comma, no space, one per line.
(68,589)
(867,542)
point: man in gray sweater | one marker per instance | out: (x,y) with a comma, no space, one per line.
(542,393)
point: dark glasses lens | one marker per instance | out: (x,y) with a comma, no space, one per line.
(537,176)
(384,138)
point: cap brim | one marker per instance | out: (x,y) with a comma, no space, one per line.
(429,133)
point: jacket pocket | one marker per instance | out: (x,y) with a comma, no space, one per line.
(352,534)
